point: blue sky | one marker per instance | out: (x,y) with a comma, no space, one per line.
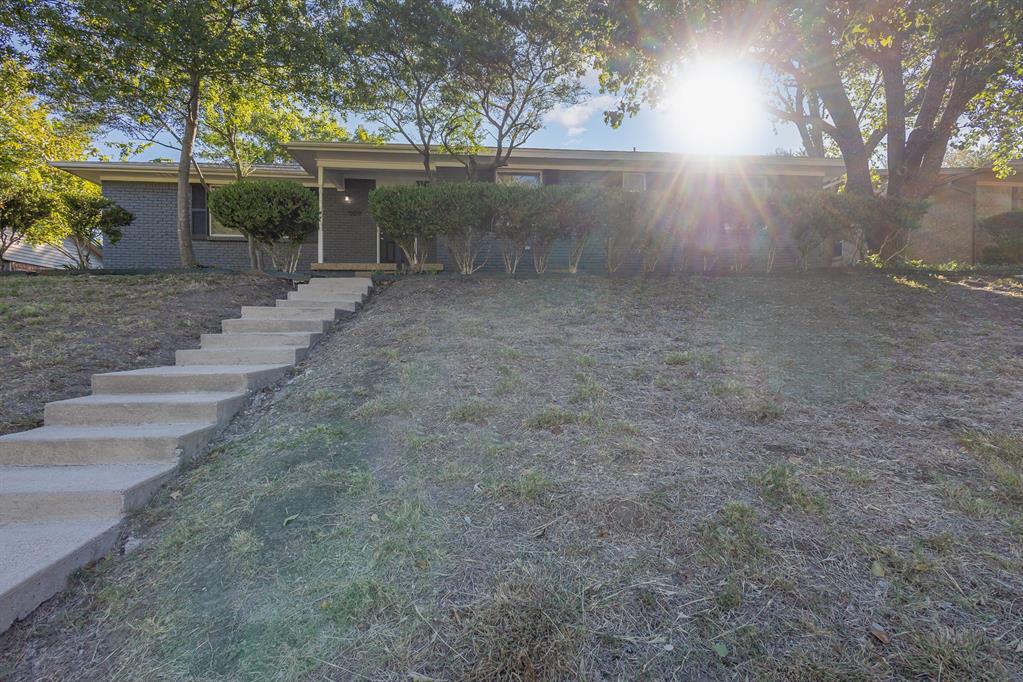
(714,109)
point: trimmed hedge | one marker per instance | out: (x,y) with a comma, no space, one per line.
(644,228)
(1006,230)
(277,214)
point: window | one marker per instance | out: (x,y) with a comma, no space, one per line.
(634,182)
(203,223)
(525,178)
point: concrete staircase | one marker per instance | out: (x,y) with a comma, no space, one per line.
(65,486)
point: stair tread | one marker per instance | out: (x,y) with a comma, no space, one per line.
(152,398)
(78,478)
(197,369)
(59,432)
(29,548)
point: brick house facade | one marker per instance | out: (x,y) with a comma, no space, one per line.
(343,174)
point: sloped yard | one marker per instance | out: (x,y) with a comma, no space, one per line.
(807,477)
(56,331)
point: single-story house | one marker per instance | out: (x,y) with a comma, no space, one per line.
(343,174)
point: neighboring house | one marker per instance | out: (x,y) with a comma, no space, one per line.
(343,174)
(24,257)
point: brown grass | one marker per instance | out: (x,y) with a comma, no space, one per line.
(56,331)
(497,479)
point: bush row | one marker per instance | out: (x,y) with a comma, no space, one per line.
(651,227)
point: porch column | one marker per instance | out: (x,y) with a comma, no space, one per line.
(319,232)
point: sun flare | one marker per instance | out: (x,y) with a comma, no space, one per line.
(713,106)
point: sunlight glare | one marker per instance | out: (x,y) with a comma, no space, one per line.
(713,107)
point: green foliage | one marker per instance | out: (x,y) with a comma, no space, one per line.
(544,211)
(617,226)
(277,214)
(405,214)
(511,216)
(24,208)
(88,218)
(465,213)
(1006,230)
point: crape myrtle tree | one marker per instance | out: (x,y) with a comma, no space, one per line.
(400,69)
(462,76)
(516,61)
(895,79)
(144,66)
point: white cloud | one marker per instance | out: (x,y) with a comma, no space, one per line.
(572,118)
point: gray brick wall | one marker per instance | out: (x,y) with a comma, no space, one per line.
(151,240)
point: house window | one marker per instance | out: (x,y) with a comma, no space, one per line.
(634,182)
(203,222)
(524,178)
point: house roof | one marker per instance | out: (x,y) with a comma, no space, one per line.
(404,157)
(98,171)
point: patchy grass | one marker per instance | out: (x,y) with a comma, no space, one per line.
(502,479)
(56,331)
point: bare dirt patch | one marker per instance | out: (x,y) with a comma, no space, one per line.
(56,331)
(792,477)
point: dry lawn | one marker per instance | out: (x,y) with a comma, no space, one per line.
(56,331)
(810,477)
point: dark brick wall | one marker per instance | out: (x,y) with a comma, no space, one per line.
(151,240)
(349,234)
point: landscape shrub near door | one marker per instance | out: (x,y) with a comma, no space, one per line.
(407,215)
(278,214)
(1006,231)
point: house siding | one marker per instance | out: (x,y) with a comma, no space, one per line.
(151,241)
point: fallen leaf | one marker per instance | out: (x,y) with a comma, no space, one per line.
(374,518)
(879,633)
(877,568)
(175,494)
(290,519)
(720,649)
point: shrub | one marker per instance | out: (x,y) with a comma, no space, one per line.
(510,223)
(884,222)
(277,214)
(578,216)
(658,223)
(1006,230)
(406,215)
(618,212)
(464,212)
(89,218)
(544,223)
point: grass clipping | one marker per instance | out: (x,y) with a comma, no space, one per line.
(528,629)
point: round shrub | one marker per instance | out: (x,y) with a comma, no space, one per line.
(408,215)
(1006,231)
(278,214)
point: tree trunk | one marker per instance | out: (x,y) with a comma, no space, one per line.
(184,173)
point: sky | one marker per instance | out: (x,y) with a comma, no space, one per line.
(711,109)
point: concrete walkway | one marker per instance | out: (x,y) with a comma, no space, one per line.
(65,486)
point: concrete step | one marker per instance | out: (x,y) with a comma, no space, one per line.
(69,445)
(37,558)
(335,306)
(145,408)
(326,296)
(253,325)
(189,379)
(257,340)
(88,491)
(290,355)
(250,312)
(340,282)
